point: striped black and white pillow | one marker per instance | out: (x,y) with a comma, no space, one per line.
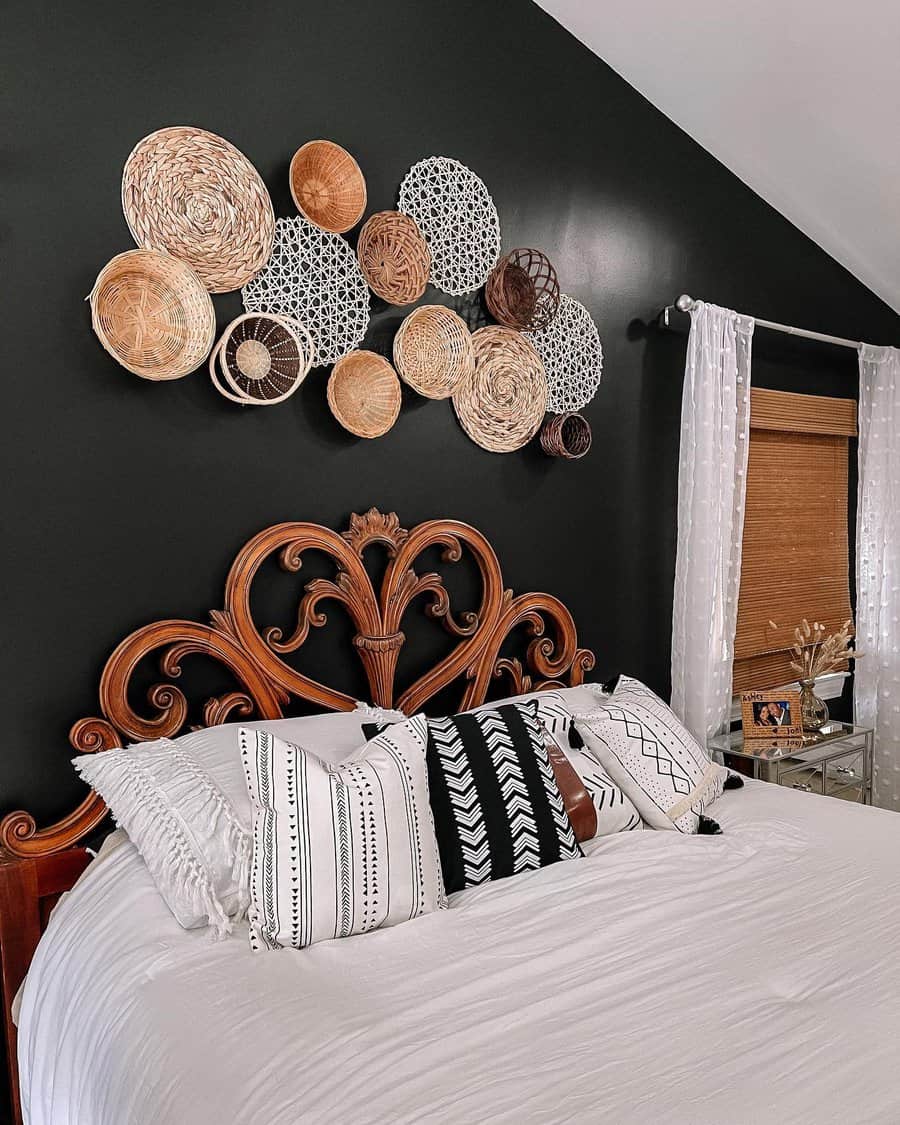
(339,849)
(497,809)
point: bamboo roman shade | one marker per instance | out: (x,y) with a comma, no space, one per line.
(796,560)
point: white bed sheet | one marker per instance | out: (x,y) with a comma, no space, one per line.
(752,977)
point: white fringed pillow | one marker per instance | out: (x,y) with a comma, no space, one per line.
(184,826)
(339,849)
(184,804)
(652,756)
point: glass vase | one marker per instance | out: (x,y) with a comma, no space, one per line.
(813,711)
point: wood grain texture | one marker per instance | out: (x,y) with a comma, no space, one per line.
(256,657)
(28,890)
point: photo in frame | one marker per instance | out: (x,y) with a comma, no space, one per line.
(772,718)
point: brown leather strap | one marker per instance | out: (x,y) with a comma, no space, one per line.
(576,798)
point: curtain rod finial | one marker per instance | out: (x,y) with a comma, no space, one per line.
(684,303)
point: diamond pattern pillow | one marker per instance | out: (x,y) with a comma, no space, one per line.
(339,849)
(497,809)
(655,760)
(615,812)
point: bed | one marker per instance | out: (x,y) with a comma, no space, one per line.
(746,977)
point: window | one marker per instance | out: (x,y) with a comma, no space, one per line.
(796,559)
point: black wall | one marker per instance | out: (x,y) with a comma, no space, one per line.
(125,500)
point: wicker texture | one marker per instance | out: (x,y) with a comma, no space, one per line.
(152,314)
(364,394)
(566,435)
(261,359)
(394,257)
(433,351)
(501,405)
(194,195)
(572,355)
(314,277)
(455,212)
(327,186)
(522,291)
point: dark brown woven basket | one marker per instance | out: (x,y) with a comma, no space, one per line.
(566,435)
(522,291)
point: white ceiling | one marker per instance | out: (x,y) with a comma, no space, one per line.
(799,98)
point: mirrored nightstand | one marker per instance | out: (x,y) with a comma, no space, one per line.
(837,763)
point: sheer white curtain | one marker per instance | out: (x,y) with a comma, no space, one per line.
(715,435)
(877,686)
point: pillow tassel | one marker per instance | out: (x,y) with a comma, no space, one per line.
(136,800)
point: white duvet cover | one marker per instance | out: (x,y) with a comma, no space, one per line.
(752,977)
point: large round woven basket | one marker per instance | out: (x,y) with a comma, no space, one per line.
(433,351)
(394,257)
(567,436)
(194,195)
(261,359)
(152,314)
(364,394)
(501,405)
(327,186)
(522,291)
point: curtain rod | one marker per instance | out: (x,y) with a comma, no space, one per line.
(685,304)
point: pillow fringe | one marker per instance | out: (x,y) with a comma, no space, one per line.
(128,784)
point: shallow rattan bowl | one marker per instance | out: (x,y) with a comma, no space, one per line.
(394,257)
(152,314)
(566,435)
(433,351)
(261,359)
(522,291)
(364,394)
(327,186)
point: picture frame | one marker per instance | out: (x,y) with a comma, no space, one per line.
(772,718)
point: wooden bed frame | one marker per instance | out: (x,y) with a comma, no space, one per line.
(37,864)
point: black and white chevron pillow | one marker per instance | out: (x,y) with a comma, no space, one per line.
(497,809)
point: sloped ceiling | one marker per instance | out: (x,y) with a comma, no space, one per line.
(799,98)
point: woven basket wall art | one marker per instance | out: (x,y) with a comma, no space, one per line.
(566,435)
(455,212)
(394,257)
(314,277)
(194,195)
(433,351)
(364,394)
(261,359)
(327,186)
(152,314)
(522,291)
(573,356)
(502,404)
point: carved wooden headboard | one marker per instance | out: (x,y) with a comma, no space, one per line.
(267,682)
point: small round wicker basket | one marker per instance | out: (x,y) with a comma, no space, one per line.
(394,257)
(327,186)
(364,394)
(261,359)
(502,404)
(153,314)
(566,435)
(522,291)
(433,351)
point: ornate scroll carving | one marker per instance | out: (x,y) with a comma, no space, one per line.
(266,682)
